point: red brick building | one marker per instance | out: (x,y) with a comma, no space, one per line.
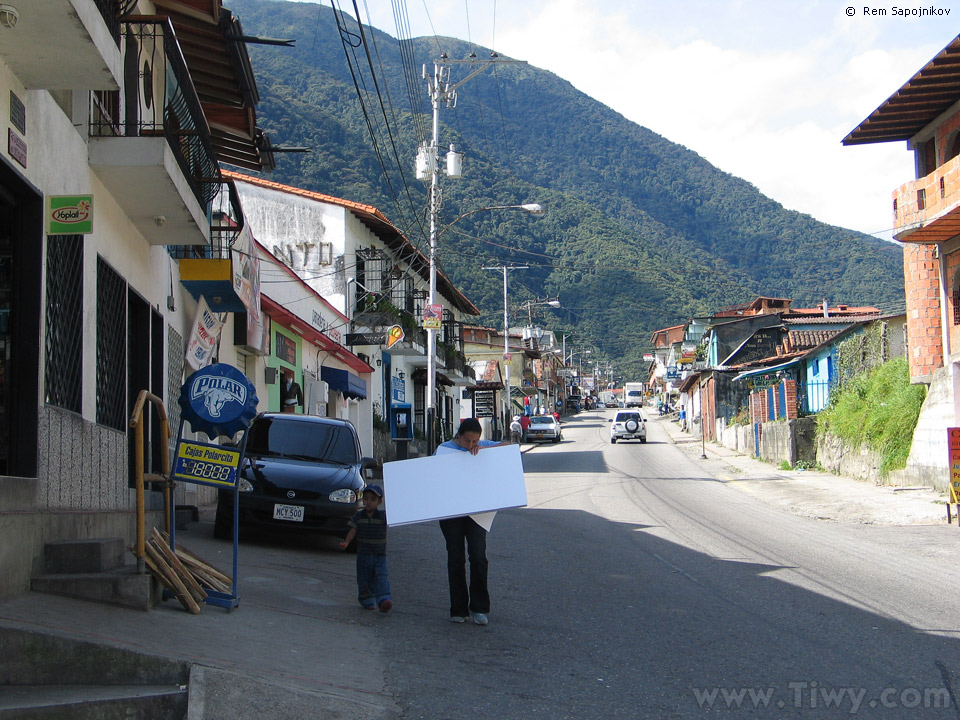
(925,112)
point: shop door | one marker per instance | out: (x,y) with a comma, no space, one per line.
(21,244)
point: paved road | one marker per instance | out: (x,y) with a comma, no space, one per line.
(636,586)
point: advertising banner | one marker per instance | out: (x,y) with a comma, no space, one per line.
(203,336)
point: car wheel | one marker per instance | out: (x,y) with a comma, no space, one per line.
(631,426)
(613,441)
(223,523)
(643,440)
(556,439)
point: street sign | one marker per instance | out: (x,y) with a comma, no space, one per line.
(366,338)
(394,335)
(953,443)
(206,464)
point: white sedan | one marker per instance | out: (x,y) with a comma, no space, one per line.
(543,427)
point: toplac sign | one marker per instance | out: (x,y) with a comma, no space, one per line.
(69,214)
(366,338)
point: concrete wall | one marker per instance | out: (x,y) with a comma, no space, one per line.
(736,437)
(793,441)
(836,457)
(928,463)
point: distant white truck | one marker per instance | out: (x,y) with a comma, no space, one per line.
(633,394)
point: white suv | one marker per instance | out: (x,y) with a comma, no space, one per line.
(628,425)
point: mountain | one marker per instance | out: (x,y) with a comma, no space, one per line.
(640,232)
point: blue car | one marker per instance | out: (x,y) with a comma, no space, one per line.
(300,472)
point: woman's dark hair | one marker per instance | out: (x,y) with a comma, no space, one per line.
(471,425)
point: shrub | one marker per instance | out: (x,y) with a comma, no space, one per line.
(879,409)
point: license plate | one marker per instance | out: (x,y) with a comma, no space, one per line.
(293,513)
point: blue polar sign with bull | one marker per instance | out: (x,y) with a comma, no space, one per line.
(218,400)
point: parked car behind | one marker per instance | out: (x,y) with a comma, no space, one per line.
(628,425)
(543,427)
(300,472)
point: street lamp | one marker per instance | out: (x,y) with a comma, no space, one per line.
(529,304)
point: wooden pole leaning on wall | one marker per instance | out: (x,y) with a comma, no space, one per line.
(136,423)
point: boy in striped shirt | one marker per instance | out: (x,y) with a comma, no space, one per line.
(369,526)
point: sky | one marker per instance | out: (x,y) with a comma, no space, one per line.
(763,89)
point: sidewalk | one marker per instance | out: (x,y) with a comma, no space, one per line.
(814,494)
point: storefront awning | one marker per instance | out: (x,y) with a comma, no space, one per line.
(345,382)
(768,369)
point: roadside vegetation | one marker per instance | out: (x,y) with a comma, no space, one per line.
(877,408)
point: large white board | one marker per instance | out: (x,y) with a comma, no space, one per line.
(453,484)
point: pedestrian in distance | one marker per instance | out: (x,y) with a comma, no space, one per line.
(516,430)
(524,424)
(472,601)
(369,527)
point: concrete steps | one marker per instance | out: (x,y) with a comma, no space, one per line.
(95,569)
(46,676)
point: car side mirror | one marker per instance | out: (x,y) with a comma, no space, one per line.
(610,420)
(368,467)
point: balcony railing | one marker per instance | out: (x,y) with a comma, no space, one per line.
(163,102)
(110,10)
(226,222)
(921,203)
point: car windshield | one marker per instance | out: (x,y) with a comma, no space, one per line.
(312,441)
(541,420)
(623,417)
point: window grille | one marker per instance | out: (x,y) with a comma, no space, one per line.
(175,361)
(111,347)
(419,302)
(399,287)
(956,306)
(63,341)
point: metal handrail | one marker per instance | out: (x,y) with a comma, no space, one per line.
(137,425)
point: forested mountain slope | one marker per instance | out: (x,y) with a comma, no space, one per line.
(640,233)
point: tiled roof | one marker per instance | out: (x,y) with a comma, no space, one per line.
(808,339)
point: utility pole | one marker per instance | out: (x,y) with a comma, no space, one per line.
(506,334)
(441,92)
